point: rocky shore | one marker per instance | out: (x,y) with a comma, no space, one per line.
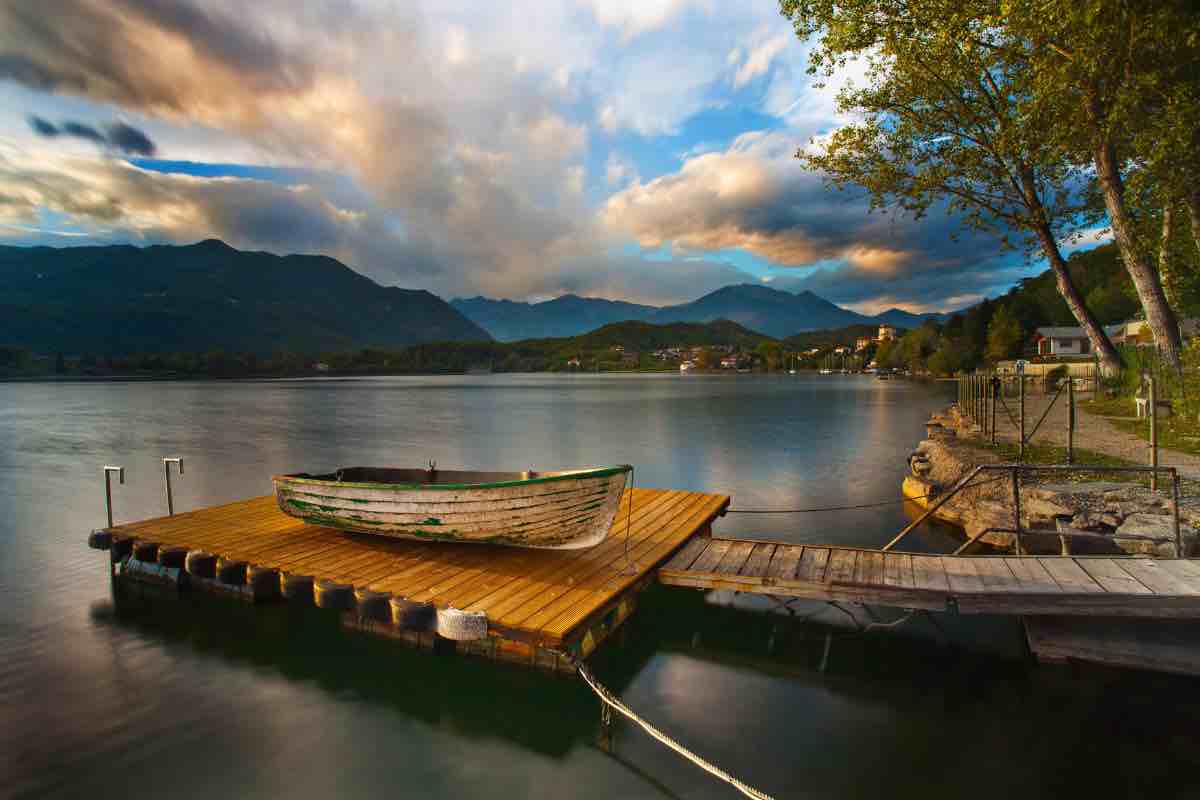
(1124,517)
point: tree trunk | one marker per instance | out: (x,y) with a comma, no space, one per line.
(1164,255)
(1110,362)
(1193,204)
(1159,315)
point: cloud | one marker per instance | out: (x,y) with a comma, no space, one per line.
(758,58)
(475,141)
(754,196)
(633,17)
(118,136)
(619,170)
(130,140)
(114,200)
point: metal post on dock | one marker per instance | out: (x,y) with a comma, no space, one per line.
(1070,419)
(108,471)
(167,462)
(1153,431)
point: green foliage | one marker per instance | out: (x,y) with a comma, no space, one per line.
(1004,336)
(829,339)
(13,359)
(597,349)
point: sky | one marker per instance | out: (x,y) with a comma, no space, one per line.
(631,149)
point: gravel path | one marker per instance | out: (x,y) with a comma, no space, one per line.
(1091,433)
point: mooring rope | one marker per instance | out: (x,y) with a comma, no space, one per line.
(853,507)
(610,700)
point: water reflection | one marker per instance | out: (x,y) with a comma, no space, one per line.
(113,696)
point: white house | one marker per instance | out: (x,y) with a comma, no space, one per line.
(1062,341)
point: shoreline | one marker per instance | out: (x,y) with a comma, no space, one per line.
(1117,517)
(331,375)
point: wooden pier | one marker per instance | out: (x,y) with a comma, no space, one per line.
(1093,586)
(540,604)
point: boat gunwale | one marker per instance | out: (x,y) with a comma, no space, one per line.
(594,472)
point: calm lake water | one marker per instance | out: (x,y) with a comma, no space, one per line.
(127,695)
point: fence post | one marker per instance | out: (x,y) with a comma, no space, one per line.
(1016,487)
(1175,516)
(1153,398)
(978,404)
(1021,446)
(1070,419)
(995,397)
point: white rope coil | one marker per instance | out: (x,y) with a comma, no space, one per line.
(611,700)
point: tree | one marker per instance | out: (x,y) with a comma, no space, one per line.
(1118,77)
(1004,336)
(771,355)
(943,121)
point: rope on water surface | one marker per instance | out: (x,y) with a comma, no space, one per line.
(610,700)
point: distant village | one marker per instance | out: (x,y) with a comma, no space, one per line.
(766,355)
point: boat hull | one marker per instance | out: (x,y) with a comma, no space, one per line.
(553,510)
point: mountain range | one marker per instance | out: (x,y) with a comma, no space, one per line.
(208,296)
(205,297)
(760,308)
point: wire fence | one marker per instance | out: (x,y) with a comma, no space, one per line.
(1040,411)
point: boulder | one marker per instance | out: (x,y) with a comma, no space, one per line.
(1041,509)
(1157,525)
(1087,521)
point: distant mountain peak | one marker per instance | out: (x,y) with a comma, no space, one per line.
(758,307)
(212,244)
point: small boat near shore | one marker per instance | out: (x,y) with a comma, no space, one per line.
(557,510)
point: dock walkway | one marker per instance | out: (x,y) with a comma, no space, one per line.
(1123,586)
(547,599)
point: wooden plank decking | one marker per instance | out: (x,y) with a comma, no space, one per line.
(544,597)
(1029,585)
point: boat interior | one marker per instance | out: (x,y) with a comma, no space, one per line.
(427,476)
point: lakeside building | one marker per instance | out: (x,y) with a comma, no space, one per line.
(1053,341)
(886,333)
(862,343)
(1062,341)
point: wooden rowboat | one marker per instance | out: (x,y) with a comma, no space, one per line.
(558,510)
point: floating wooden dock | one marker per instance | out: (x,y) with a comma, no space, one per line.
(540,604)
(1024,585)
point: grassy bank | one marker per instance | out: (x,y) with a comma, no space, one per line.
(1174,433)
